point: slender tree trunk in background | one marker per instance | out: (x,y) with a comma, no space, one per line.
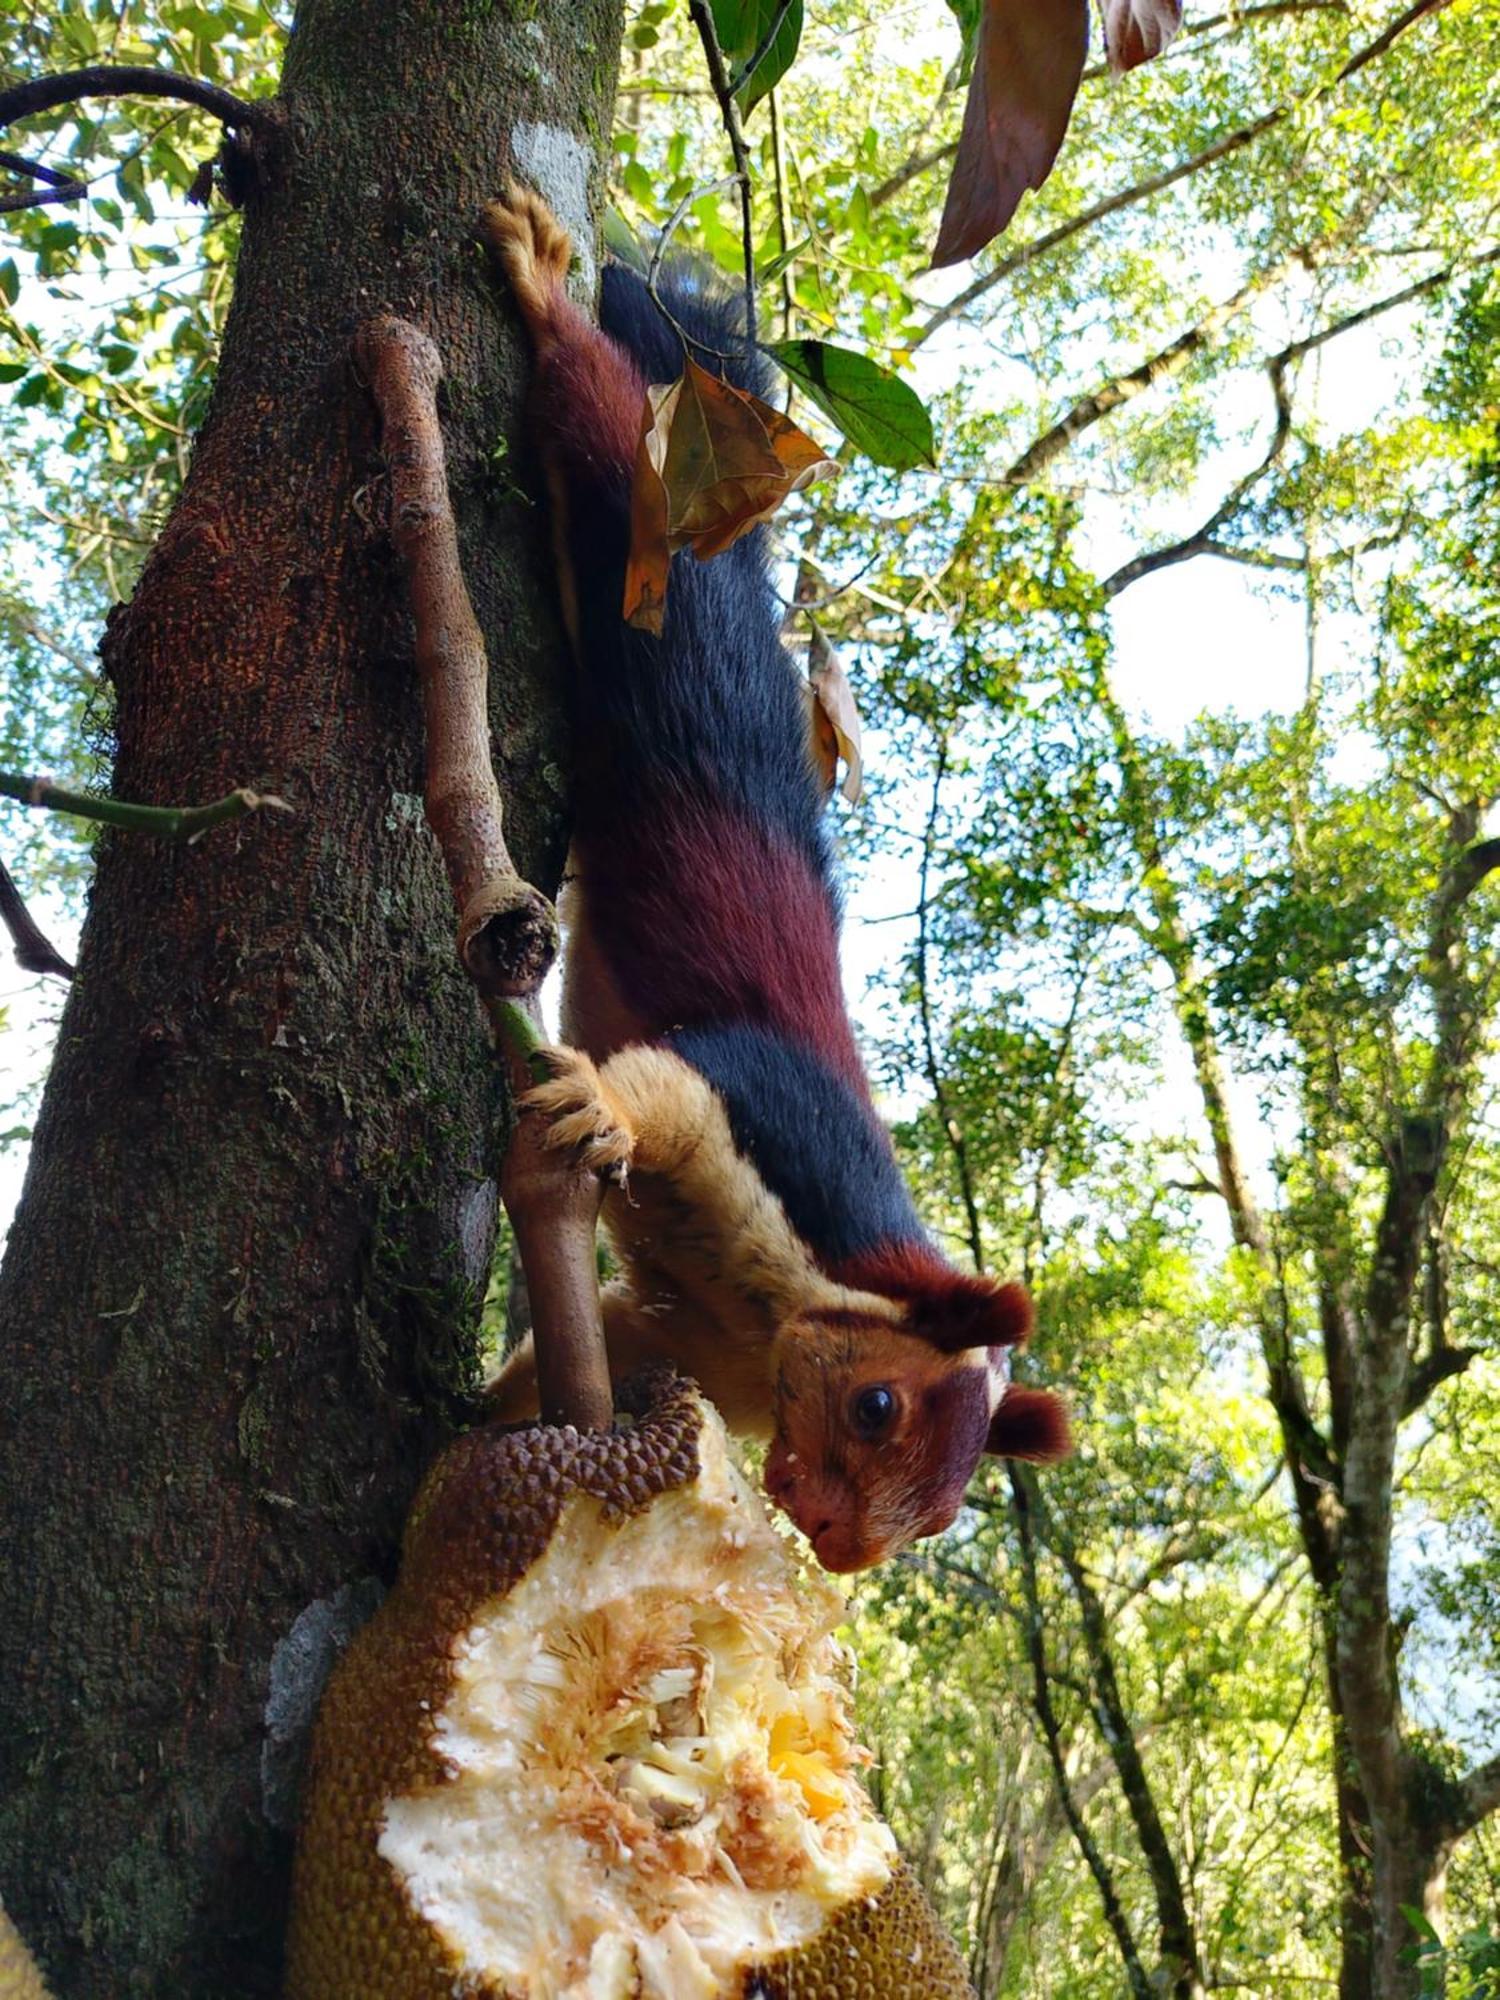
(240,1303)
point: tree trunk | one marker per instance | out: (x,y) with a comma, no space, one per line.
(241,1299)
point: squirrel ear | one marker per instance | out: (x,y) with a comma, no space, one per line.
(1030,1423)
(971,1312)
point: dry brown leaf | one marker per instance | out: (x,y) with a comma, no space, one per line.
(1027,63)
(1137,30)
(650,545)
(713,461)
(835,719)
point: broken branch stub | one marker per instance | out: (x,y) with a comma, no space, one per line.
(507,930)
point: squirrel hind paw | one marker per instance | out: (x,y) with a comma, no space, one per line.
(533,247)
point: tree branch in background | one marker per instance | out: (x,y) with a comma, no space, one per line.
(1160,367)
(937,156)
(1220,149)
(1204,540)
(251,125)
(1478,1795)
(1181,1953)
(55,187)
(169,822)
(34,951)
(1139,191)
(48,93)
(724,87)
(952,1130)
(507,932)
(1140,1983)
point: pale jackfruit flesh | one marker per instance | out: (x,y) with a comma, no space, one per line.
(596,1745)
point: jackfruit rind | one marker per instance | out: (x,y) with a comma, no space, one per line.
(482,1516)
(889,1948)
(594,1746)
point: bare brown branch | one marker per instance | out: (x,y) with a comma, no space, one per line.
(507,932)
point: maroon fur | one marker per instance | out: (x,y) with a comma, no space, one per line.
(588,397)
(1032,1424)
(949,1308)
(761,944)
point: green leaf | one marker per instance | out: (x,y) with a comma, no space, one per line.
(879,413)
(966,13)
(621,241)
(769,271)
(1420,1922)
(10,282)
(12,371)
(741,26)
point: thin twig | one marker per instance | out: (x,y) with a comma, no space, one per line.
(783,232)
(653,271)
(169,822)
(57,187)
(724,88)
(35,951)
(1136,1975)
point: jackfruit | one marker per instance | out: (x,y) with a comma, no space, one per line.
(596,1745)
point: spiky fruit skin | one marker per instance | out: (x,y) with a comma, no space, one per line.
(890,1948)
(484,1516)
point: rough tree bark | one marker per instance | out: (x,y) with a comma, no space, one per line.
(240,1302)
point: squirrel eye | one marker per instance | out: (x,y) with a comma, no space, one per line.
(873,1410)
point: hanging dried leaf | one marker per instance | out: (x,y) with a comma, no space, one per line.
(713,461)
(1137,30)
(650,556)
(835,719)
(1027,63)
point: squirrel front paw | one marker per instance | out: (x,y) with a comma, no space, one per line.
(583,1114)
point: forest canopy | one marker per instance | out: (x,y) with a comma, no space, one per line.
(1174,888)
